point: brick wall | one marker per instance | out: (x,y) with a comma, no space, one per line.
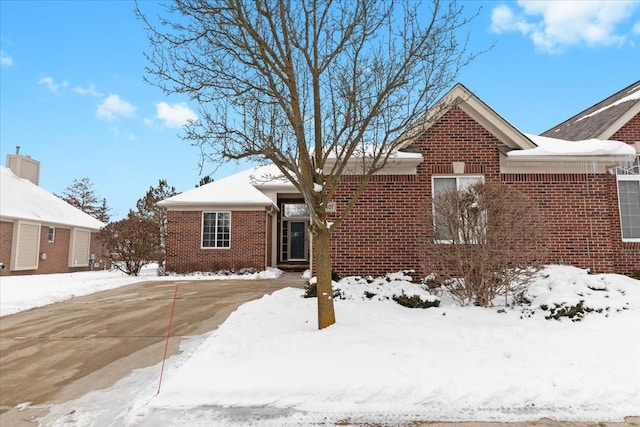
(57,259)
(630,132)
(6,238)
(384,231)
(627,254)
(184,252)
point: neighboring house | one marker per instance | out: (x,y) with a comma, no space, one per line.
(585,180)
(39,232)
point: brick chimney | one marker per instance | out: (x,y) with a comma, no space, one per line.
(24,166)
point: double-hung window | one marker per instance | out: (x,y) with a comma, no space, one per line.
(629,198)
(440,185)
(216,230)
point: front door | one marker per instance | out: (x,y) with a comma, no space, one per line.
(297,240)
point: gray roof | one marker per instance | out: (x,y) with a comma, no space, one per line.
(602,119)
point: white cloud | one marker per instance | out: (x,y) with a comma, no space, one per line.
(52,85)
(113,106)
(636,28)
(554,25)
(90,90)
(5,60)
(175,115)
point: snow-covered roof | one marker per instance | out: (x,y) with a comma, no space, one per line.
(21,199)
(550,147)
(241,189)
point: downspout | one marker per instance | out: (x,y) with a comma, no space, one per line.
(267,243)
(593,261)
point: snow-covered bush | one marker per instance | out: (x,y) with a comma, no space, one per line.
(568,292)
(397,287)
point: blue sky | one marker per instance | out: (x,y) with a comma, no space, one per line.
(72,93)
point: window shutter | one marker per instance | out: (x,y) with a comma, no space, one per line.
(79,250)
(26,246)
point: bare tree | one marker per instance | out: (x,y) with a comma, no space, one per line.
(487,241)
(318,88)
(131,243)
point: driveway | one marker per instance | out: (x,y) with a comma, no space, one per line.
(62,351)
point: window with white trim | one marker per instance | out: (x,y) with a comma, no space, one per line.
(629,200)
(52,235)
(442,184)
(216,230)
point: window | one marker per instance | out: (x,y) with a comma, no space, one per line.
(52,234)
(442,184)
(629,199)
(216,230)
(295,210)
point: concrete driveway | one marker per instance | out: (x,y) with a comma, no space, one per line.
(62,351)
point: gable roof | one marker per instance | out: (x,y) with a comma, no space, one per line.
(461,97)
(240,189)
(601,120)
(22,199)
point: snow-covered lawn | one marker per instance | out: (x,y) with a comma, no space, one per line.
(269,365)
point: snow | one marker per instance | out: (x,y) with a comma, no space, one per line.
(20,293)
(558,147)
(238,189)
(22,199)
(383,363)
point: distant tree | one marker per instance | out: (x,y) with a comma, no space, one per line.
(81,195)
(130,243)
(487,241)
(317,88)
(204,181)
(148,208)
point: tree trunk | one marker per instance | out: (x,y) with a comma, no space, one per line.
(322,254)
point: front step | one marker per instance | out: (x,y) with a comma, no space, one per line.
(293,267)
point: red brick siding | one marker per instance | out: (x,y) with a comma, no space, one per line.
(630,132)
(383,232)
(6,239)
(184,240)
(626,254)
(57,260)
(580,213)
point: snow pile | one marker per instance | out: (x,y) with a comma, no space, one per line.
(385,363)
(381,288)
(559,147)
(20,293)
(565,287)
(243,274)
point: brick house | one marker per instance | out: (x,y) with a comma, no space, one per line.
(39,232)
(584,174)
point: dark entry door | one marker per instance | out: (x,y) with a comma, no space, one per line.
(297,240)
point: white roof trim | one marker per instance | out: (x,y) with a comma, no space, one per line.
(461,97)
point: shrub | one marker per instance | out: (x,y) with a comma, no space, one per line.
(494,244)
(311,291)
(573,312)
(131,243)
(415,301)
